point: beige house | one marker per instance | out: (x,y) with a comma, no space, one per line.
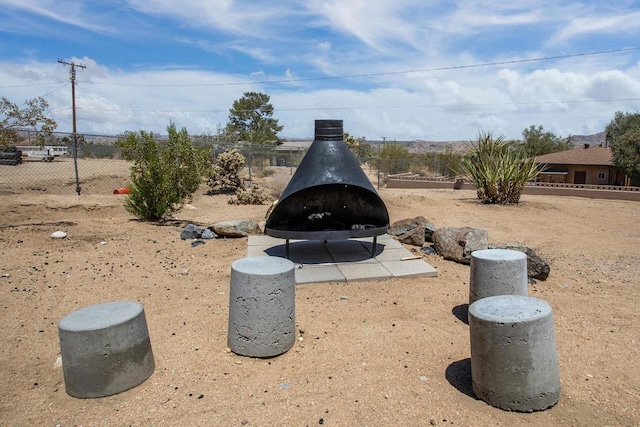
(588,165)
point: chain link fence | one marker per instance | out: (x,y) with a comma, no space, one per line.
(99,168)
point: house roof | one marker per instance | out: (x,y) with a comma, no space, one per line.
(596,156)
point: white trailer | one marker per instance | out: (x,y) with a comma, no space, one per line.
(46,153)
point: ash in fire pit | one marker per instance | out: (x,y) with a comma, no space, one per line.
(329,197)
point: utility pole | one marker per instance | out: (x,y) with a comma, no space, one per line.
(72,77)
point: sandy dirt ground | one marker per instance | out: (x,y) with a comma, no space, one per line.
(376,353)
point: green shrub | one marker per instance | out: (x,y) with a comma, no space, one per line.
(163,176)
(497,170)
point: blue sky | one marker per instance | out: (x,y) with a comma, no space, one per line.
(400,69)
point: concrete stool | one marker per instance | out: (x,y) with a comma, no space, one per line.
(514,359)
(262,306)
(497,272)
(105,349)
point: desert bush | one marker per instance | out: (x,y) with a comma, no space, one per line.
(251,196)
(497,170)
(277,184)
(266,172)
(394,158)
(162,176)
(225,172)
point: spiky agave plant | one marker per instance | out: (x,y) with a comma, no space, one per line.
(498,171)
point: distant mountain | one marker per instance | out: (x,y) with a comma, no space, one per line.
(593,140)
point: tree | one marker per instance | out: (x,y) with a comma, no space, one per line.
(623,135)
(537,142)
(250,119)
(31,117)
(163,176)
(358,146)
(498,171)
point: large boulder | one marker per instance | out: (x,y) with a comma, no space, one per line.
(235,228)
(456,244)
(412,231)
(537,267)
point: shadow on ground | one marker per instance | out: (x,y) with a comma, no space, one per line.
(461,312)
(459,375)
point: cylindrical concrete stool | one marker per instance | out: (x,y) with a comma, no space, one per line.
(514,359)
(497,272)
(262,306)
(105,349)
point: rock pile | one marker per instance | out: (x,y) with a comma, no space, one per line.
(457,244)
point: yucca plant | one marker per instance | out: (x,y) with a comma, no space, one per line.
(498,171)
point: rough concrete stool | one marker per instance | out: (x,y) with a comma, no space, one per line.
(514,359)
(262,306)
(497,272)
(105,349)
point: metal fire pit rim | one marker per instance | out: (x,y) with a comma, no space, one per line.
(326,234)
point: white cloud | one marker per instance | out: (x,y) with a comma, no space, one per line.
(248,17)
(73,13)
(622,22)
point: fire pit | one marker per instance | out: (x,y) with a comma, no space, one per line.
(329,197)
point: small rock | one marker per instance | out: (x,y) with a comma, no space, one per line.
(58,235)
(344,298)
(197,243)
(208,234)
(284,386)
(423,378)
(103,243)
(429,250)
(191,231)
(5,276)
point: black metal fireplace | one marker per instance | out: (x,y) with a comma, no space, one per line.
(329,197)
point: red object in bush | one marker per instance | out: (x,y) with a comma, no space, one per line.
(124,190)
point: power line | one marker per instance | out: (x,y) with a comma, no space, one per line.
(384,107)
(387,73)
(31,85)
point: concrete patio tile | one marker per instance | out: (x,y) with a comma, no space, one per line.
(257,251)
(318,274)
(361,257)
(306,246)
(335,246)
(342,260)
(383,239)
(358,271)
(319,256)
(394,254)
(415,267)
(264,240)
